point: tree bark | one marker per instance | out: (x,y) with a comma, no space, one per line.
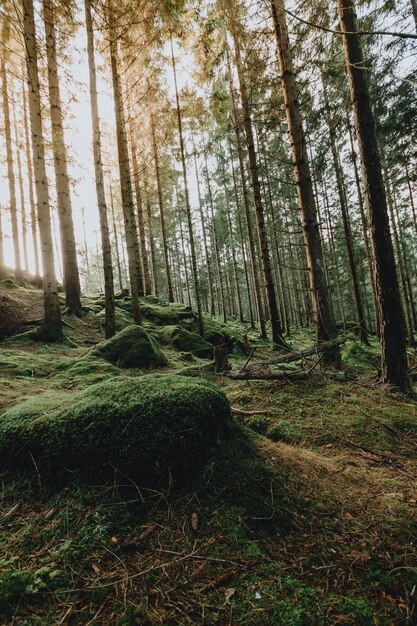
(363,332)
(10,168)
(391,319)
(204,232)
(141,224)
(51,329)
(133,255)
(187,202)
(323,319)
(66,226)
(29,168)
(161,211)
(110,321)
(277,335)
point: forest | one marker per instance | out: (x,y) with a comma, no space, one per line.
(208,312)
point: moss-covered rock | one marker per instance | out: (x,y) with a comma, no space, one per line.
(162,313)
(139,426)
(222,334)
(122,319)
(132,347)
(185,341)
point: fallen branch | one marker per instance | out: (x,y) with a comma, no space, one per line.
(268,375)
(301,354)
(234,409)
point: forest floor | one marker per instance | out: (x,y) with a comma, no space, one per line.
(306,516)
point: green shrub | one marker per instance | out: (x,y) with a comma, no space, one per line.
(139,426)
(132,347)
(185,341)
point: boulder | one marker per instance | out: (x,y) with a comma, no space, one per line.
(186,341)
(131,347)
(139,426)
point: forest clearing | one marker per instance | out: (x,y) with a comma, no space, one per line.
(208,315)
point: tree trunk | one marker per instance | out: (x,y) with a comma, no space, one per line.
(204,232)
(141,223)
(323,319)
(29,168)
(133,255)
(51,329)
(116,238)
(161,212)
(277,335)
(23,220)
(363,332)
(10,168)
(391,320)
(110,321)
(187,202)
(66,226)
(151,237)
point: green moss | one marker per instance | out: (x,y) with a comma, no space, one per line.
(138,426)
(185,341)
(122,319)
(219,334)
(132,347)
(163,314)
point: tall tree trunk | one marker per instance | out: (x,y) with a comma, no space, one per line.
(151,235)
(161,211)
(23,220)
(277,334)
(133,255)
(323,319)
(187,202)
(29,168)
(51,329)
(391,319)
(364,227)
(363,332)
(110,320)
(245,195)
(116,238)
(10,168)
(241,238)
(66,226)
(141,224)
(204,232)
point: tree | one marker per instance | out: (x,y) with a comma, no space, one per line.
(9,157)
(277,334)
(51,329)
(187,202)
(110,321)
(69,252)
(323,318)
(391,319)
(133,254)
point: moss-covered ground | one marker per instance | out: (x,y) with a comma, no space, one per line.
(305,516)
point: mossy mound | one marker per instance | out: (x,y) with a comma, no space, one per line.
(138,426)
(163,313)
(185,341)
(219,334)
(132,347)
(122,319)
(12,312)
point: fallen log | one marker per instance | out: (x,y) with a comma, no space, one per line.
(299,355)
